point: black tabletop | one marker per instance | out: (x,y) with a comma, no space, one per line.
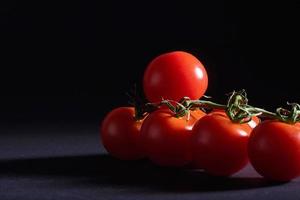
(67,161)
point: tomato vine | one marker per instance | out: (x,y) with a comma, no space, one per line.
(236,108)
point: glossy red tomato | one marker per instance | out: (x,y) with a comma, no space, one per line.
(274,150)
(166,139)
(219,146)
(120,134)
(175,75)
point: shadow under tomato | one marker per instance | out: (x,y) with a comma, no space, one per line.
(97,170)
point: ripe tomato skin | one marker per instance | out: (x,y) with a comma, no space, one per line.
(219,146)
(166,139)
(274,150)
(175,75)
(120,134)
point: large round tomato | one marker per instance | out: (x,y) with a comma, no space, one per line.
(175,75)
(219,146)
(166,139)
(274,150)
(120,134)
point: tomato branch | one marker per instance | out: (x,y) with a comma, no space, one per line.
(236,108)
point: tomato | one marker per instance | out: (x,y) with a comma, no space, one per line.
(175,75)
(219,146)
(274,150)
(120,134)
(166,139)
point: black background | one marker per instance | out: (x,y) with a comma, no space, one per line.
(75,60)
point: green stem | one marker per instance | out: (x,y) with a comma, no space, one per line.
(261,112)
(237,108)
(207,104)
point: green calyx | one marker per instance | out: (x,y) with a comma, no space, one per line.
(289,116)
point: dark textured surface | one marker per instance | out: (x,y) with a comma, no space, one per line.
(58,161)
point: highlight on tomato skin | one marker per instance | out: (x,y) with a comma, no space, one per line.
(274,150)
(120,134)
(166,139)
(254,122)
(219,146)
(175,75)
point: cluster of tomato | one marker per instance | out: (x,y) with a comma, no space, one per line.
(209,141)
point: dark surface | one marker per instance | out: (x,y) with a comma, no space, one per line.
(59,161)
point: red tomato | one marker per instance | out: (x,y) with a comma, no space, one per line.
(175,75)
(166,139)
(120,134)
(219,146)
(274,150)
